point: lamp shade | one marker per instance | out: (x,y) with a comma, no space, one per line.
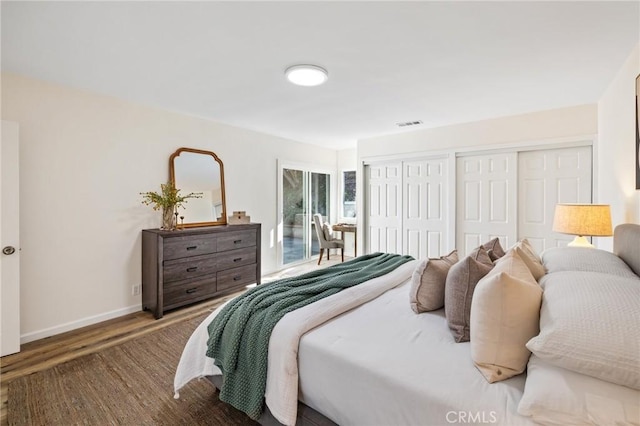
(583,219)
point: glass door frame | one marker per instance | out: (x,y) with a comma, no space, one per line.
(307,169)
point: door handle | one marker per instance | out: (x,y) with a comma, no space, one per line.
(8,250)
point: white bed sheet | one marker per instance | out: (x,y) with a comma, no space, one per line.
(382,364)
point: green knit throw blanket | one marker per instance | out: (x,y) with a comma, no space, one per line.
(239,335)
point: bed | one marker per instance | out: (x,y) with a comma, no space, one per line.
(363,357)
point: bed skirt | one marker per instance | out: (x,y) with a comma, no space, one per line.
(307,416)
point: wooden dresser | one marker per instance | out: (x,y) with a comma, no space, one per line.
(186,266)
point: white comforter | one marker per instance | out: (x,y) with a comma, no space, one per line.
(382,364)
(282,378)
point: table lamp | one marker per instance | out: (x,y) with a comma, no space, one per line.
(583,220)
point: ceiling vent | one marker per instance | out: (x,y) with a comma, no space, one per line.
(409,123)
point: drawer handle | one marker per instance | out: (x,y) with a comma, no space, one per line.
(237,259)
(192,247)
(191,290)
(237,241)
(237,278)
(192,269)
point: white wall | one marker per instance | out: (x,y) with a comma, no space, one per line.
(84,160)
(347,159)
(537,126)
(616,147)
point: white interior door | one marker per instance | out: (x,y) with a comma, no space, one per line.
(486,200)
(383,208)
(425,207)
(546,178)
(9,241)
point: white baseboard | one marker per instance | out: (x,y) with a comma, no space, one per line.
(62,328)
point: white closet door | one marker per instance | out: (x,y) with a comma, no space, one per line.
(383,208)
(546,178)
(425,207)
(486,200)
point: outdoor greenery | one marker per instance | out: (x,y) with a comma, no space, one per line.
(350,186)
(293,195)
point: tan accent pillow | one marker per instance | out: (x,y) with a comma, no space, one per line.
(505,314)
(530,258)
(532,251)
(461,281)
(427,283)
(494,249)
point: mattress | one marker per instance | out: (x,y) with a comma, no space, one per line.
(382,364)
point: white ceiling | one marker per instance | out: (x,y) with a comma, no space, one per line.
(388,62)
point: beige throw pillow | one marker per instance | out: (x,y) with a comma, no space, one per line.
(527,253)
(427,283)
(461,281)
(505,314)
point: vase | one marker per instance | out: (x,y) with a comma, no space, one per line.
(168,219)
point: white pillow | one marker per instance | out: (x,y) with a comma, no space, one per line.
(505,312)
(590,324)
(583,259)
(555,396)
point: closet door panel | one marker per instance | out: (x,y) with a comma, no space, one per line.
(486,200)
(424,215)
(383,205)
(548,177)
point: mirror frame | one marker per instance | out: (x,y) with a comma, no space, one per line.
(172,176)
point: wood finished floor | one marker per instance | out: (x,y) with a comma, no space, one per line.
(46,353)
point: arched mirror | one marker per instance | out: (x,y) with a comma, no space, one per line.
(195,170)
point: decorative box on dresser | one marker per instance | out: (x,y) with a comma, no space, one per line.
(186,266)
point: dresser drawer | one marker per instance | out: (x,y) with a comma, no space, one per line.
(236,240)
(235,258)
(195,264)
(190,267)
(236,276)
(179,247)
(188,292)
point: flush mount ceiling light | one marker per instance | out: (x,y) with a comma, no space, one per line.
(306,75)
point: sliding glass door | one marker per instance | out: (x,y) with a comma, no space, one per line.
(304,193)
